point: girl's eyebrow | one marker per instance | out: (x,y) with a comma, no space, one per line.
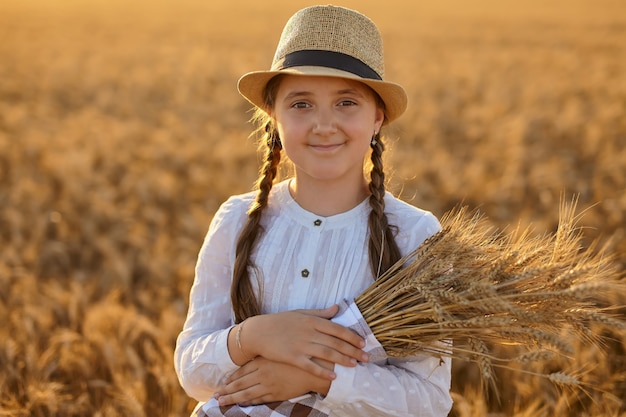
(294,94)
(350,91)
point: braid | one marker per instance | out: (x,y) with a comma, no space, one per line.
(245,303)
(383,250)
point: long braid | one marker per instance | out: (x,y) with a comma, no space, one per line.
(383,249)
(243,298)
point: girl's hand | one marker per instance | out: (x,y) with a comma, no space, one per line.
(299,337)
(262,381)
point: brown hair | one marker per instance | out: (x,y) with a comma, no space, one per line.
(383,250)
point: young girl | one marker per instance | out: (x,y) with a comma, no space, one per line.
(275,264)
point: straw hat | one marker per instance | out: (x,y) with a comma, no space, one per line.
(329,41)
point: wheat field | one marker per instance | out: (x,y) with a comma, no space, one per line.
(121,132)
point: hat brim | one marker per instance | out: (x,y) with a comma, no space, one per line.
(252,85)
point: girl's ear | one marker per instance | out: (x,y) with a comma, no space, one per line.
(380,118)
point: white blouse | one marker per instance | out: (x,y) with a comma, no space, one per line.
(307,261)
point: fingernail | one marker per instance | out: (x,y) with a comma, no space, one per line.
(352,361)
(362,343)
(332,375)
(365,357)
(216,395)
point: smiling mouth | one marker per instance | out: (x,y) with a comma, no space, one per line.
(327,147)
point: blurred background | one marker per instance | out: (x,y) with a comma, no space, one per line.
(121,132)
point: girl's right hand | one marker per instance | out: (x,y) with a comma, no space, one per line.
(298,337)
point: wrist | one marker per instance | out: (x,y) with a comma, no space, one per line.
(238,337)
(237,345)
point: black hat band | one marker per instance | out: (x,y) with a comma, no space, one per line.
(329,59)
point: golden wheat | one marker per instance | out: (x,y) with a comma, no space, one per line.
(475,286)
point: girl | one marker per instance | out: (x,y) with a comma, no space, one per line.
(275,264)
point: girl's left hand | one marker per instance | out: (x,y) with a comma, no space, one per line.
(261,381)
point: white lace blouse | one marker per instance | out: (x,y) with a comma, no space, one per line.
(307,261)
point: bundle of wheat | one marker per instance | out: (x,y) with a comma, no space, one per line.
(477,287)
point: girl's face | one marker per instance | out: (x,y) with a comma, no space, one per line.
(326,125)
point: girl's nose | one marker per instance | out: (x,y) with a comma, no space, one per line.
(324,122)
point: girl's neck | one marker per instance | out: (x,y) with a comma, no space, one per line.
(327,198)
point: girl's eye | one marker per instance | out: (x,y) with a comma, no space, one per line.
(300,105)
(347,103)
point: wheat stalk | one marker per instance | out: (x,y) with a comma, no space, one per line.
(478,287)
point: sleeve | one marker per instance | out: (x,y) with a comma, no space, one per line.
(201,357)
(419,387)
(414,386)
